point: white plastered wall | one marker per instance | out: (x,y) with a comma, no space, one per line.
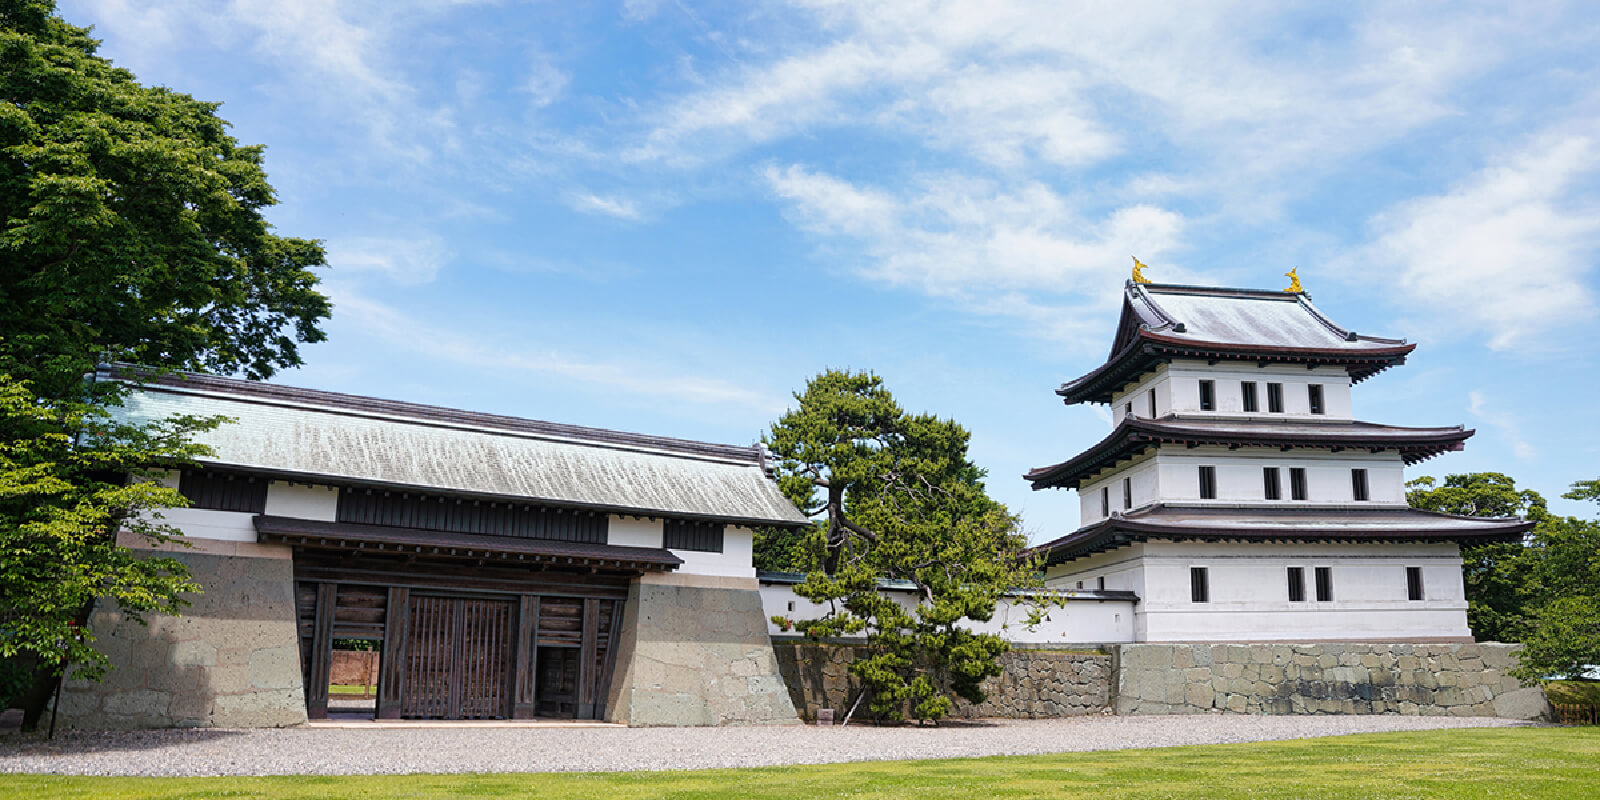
(302,501)
(1070,621)
(1122,571)
(1185,377)
(735,561)
(1239,475)
(1249,597)
(1177,388)
(1172,474)
(1143,479)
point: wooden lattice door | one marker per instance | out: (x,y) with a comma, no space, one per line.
(458,658)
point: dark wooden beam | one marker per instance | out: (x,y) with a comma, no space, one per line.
(321,652)
(525,655)
(586,658)
(396,640)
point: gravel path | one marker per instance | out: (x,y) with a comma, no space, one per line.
(325,751)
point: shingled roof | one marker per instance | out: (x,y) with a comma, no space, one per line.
(1135,435)
(1161,322)
(343,439)
(1177,522)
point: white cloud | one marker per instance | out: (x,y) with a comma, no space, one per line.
(487,350)
(1018,83)
(1507,424)
(989,246)
(619,207)
(1505,251)
(544,82)
(951,233)
(408,262)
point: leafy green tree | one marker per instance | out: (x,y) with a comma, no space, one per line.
(1564,635)
(63,499)
(131,229)
(131,223)
(900,501)
(1498,577)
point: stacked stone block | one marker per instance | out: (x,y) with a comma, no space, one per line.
(1467,680)
(232,660)
(1036,683)
(696,655)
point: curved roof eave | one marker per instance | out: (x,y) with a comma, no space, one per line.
(1134,435)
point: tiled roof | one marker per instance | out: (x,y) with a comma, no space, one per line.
(1135,434)
(1177,522)
(1160,322)
(348,439)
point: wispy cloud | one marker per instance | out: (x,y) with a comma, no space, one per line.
(487,350)
(998,250)
(1507,424)
(1505,251)
(408,262)
(619,207)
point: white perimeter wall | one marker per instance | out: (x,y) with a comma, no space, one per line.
(1249,597)
(1075,621)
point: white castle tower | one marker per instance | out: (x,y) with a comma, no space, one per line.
(1237,494)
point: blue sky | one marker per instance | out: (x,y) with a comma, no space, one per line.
(664,216)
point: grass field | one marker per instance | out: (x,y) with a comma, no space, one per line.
(1504,764)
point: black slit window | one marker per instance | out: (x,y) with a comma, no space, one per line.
(1297,584)
(1314,396)
(702,536)
(219,491)
(1275,398)
(1151,395)
(1271,488)
(1127,493)
(1413,583)
(1208,395)
(1127,409)
(1358,484)
(1297,483)
(1105,501)
(1199,585)
(1100,583)
(1208,483)
(1324,584)
(1247,391)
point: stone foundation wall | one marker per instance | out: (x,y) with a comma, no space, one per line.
(696,655)
(1037,683)
(231,660)
(1467,680)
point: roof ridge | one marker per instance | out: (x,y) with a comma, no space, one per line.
(420,413)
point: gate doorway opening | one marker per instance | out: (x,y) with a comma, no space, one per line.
(458,654)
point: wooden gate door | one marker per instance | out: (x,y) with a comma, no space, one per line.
(458,658)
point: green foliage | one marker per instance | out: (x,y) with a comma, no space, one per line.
(1544,592)
(1565,622)
(132,226)
(1498,576)
(131,229)
(902,502)
(63,499)
(787,549)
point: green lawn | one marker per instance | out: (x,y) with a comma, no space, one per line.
(1501,764)
(351,689)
